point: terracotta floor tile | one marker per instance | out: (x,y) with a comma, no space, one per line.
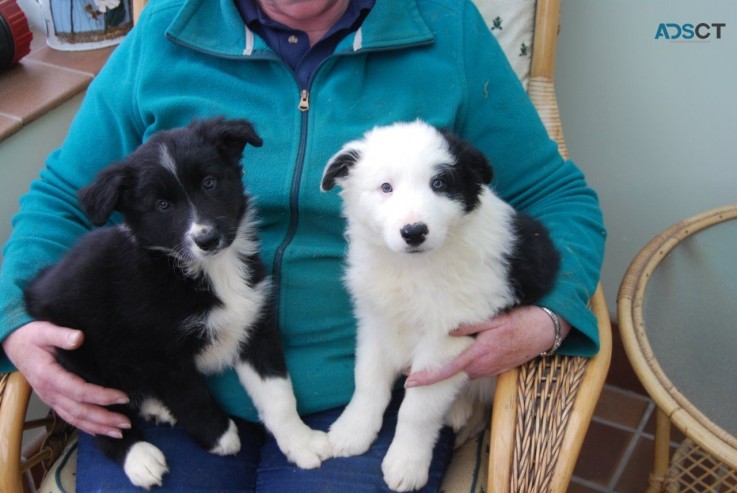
(620,406)
(676,435)
(580,488)
(621,373)
(635,475)
(601,453)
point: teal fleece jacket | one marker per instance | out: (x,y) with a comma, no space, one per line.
(428,59)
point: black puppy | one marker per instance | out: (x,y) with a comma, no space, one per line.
(176,291)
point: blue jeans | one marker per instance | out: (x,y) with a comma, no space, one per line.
(259,466)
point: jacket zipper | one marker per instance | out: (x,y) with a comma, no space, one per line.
(303,106)
(304,100)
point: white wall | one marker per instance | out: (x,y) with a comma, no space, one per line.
(653,123)
(23,154)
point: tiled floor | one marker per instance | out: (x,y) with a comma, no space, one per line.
(617,454)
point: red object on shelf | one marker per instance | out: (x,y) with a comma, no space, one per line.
(15,35)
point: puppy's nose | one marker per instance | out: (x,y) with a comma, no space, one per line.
(207,239)
(414,234)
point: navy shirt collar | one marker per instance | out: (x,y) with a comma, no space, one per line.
(293,45)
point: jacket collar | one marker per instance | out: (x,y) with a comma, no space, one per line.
(219,29)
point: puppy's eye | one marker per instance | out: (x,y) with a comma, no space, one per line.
(438,184)
(163,205)
(386,187)
(209,183)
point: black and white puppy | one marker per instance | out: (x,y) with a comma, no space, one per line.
(431,247)
(176,291)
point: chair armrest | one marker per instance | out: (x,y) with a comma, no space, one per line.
(14,395)
(541,413)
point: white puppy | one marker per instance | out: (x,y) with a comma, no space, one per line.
(431,247)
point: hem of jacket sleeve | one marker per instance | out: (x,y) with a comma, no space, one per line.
(20,319)
(583,339)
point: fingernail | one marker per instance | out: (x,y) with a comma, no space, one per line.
(73,338)
(114,434)
(125,426)
(123,400)
(408,384)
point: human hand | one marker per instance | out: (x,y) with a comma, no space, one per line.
(504,342)
(31,349)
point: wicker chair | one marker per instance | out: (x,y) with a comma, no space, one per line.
(541,410)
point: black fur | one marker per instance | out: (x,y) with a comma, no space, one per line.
(133,290)
(464,179)
(339,168)
(534,263)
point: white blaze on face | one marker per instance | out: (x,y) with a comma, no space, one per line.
(169,164)
(167,161)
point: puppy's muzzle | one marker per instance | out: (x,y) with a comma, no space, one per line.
(207,239)
(414,234)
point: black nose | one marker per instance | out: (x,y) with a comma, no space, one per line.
(207,240)
(414,234)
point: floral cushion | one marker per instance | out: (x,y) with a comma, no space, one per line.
(62,476)
(513,24)
(468,471)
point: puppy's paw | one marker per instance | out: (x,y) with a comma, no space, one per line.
(145,465)
(308,448)
(229,443)
(405,470)
(350,435)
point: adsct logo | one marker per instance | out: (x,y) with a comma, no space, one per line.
(690,32)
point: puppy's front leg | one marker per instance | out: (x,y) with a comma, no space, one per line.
(185,398)
(421,415)
(407,462)
(376,370)
(143,463)
(274,399)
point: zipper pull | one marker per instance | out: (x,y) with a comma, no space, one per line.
(304,100)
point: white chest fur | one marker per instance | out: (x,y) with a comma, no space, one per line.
(228,325)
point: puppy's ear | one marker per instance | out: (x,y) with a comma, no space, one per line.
(338,167)
(478,162)
(473,159)
(105,194)
(231,136)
